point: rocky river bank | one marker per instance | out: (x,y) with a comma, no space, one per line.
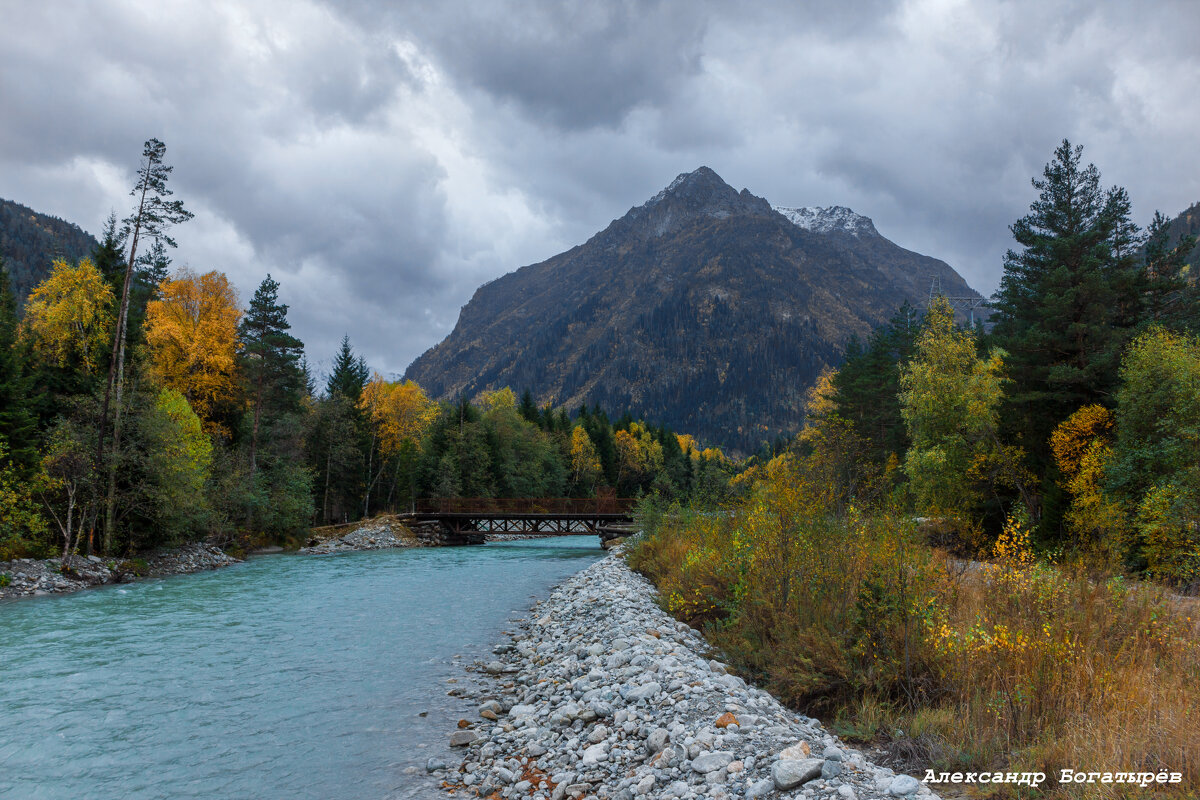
(29,576)
(602,694)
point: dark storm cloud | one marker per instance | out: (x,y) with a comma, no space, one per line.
(382,160)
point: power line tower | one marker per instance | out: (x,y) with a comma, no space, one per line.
(965,304)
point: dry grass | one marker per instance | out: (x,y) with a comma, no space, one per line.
(1017,664)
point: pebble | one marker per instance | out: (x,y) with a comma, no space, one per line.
(610,697)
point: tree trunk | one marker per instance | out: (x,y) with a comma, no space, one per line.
(116,369)
(257,414)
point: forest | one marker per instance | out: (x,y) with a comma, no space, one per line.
(141,406)
(983,549)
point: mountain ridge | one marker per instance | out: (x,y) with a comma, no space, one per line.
(703,308)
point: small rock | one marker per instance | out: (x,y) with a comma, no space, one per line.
(594,755)
(644,785)
(846,792)
(711,762)
(657,740)
(902,785)
(831,769)
(726,719)
(433,764)
(759,789)
(788,773)
(463,738)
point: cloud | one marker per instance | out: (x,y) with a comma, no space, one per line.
(382,160)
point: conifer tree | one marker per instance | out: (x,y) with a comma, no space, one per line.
(16,421)
(1170,299)
(270,359)
(1068,301)
(349,375)
(153,216)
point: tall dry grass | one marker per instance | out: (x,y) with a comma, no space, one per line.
(1011,664)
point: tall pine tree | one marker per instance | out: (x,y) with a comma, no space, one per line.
(270,360)
(1068,300)
(349,374)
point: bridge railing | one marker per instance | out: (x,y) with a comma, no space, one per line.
(526,505)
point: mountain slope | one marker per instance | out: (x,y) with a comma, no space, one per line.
(29,243)
(704,309)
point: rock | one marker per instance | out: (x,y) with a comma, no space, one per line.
(493,668)
(463,738)
(644,785)
(903,785)
(797,752)
(487,713)
(726,719)
(788,773)
(759,789)
(834,754)
(505,775)
(462,723)
(846,792)
(710,762)
(644,692)
(657,740)
(594,755)
(735,767)
(831,769)
(433,764)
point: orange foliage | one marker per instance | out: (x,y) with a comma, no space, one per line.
(192,331)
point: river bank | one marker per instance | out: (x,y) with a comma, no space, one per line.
(28,577)
(601,693)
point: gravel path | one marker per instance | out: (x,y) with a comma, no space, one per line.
(602,694)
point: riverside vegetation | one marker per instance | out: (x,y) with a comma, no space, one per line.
(141,407)
(978,553)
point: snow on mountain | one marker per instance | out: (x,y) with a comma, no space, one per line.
(828,220)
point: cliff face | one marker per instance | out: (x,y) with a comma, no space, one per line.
(704,308)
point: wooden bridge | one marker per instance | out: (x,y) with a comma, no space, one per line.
(469,520)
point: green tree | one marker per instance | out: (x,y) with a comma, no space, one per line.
(1068,299)
(17,431)
(154,215)
(270,359)
(349,374)
(179,457)
(949,400)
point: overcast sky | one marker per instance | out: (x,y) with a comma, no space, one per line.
(383,159)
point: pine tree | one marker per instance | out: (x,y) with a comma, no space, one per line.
(1068,300)
(270,359)
(349,375)
(16,422)
(153,216)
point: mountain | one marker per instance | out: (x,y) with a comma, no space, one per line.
(29,243)
(704,308)
(1187,224)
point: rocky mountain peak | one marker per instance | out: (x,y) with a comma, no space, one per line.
(700,193)
(834,219)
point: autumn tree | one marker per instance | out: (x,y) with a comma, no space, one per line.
(1082,447)
(179,456)
(192,332)
(69,316)
(585,463)
(398,414)
(949,400)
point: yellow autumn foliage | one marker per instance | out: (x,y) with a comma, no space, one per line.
(399,411)
(68,316)
(192,331)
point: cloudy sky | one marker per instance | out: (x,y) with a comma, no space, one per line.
(383,159)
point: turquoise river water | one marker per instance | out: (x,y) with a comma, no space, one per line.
(282,677)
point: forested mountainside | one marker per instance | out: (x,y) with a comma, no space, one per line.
(29,243)
(1186,224)
(704,308)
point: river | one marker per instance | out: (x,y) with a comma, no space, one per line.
(282,677)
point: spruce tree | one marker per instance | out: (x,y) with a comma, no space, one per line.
(270,360)
(1068,300)
(349,375)
(16,422)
